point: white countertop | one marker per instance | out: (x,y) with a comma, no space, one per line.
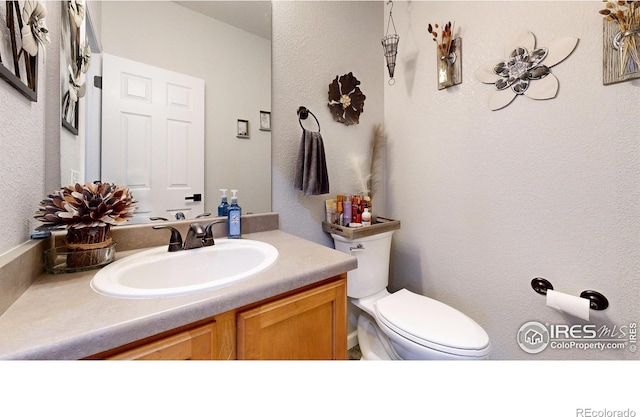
(61,317)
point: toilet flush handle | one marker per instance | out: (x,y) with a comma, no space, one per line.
(359,247)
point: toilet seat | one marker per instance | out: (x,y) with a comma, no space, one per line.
(431,324)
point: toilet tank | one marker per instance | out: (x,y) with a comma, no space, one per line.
(372,274)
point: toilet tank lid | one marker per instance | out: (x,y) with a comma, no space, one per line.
(430,322)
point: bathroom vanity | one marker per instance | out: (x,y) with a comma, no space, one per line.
(309,323)
(296,309)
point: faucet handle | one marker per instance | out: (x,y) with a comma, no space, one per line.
(175,243)
(208,233)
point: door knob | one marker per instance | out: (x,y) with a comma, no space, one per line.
(195,197)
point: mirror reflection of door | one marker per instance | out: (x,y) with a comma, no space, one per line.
(153,136)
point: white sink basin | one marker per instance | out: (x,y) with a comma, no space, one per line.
(158,273)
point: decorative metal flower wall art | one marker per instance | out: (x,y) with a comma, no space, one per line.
(526,71)
(23,31)
(346,101)
(78,56)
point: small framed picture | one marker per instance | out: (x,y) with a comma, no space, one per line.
(243,129)
(265,120)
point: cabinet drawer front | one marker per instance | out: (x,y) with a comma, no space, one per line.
(197,343)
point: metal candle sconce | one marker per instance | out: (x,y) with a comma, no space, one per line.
(390,46)
(597,301)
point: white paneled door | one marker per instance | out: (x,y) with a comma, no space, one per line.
(153,136)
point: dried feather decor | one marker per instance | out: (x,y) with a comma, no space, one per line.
(361,171)
(368,172)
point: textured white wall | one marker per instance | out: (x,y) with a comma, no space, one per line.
(312,43)
(490,200)
(23,151)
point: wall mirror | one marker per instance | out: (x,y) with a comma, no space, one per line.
(227,44)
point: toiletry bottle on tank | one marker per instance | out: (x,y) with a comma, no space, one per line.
(346,211)
(366,217)
(234,218)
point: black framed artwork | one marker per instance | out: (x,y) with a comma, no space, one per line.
(19,47)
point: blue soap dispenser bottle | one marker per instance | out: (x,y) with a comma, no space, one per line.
(223,208)
(234,218)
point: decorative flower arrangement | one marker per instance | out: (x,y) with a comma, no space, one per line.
(90,205)
(627,15)
(445,40)
(346,101)
(87,212)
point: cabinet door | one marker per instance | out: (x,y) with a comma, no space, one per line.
(308,325)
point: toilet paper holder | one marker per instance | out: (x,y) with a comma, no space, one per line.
(597,301)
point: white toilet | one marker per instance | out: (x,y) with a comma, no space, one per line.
(404,325)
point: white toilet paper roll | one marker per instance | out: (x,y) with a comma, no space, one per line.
(570,304)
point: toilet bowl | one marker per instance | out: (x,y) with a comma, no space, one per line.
(403,324)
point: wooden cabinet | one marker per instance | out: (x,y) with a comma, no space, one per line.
(310,323)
